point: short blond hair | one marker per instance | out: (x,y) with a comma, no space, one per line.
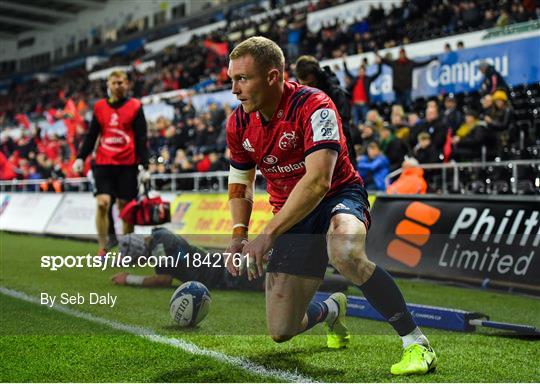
(265,52)
(117,73)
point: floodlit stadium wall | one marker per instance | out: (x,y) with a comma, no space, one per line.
(486,240)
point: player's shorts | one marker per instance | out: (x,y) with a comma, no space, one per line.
(302,249)
(119,181)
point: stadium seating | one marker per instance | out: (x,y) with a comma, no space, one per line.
(188,142)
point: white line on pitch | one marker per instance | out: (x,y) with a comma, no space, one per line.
(146,333)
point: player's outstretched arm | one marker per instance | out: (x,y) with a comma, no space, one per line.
(241,185)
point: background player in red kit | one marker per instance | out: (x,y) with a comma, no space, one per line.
(121,127)
(293,134)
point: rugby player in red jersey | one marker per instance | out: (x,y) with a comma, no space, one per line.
(293,134)
(119,123)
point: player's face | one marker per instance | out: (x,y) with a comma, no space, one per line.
(249,83)
(118,86)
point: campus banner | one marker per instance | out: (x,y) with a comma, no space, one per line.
(458,71)
(489,241)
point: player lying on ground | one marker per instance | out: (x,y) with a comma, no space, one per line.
(294,135)
(163,242)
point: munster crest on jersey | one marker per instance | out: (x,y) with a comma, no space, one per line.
(288,141)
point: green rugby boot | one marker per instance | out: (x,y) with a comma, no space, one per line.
(416,360)
(338,335)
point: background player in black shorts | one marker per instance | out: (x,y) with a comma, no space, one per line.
(119,127)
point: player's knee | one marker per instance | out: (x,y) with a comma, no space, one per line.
(346,226)
(281,330)
(281,338)
(103,204)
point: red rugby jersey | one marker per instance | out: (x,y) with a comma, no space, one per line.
(117,140)
(121,128)
(305,121)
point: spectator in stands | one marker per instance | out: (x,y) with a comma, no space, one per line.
(432,125)
(411,180)
(499,121)
(7,170)
(155,140)
(218,162)
(402,70)
(398,120)
(487,105)
(374,117)
(504,19)
(373,167)
(460,45)
(469,138)
(519,14)
(413,120)
(308,72)
(470,15)
(359,89)
(368,134)
(452,116)
(493,80)
(393,148)
(425,152)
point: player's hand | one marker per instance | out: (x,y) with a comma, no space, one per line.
(235,247)
(143,176)
(78,166)
(257,250)
(120,278)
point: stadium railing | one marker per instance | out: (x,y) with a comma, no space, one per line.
(450,178)
(454,171)
(196,181)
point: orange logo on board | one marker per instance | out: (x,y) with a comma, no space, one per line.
(413,232)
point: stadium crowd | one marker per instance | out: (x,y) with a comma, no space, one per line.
(455,127)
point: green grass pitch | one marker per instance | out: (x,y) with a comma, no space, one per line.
(40,344)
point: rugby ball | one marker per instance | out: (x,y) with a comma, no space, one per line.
(190,304)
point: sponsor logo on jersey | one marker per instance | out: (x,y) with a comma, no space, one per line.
(115,141)
(247,146)
(270,159)
(285,168)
